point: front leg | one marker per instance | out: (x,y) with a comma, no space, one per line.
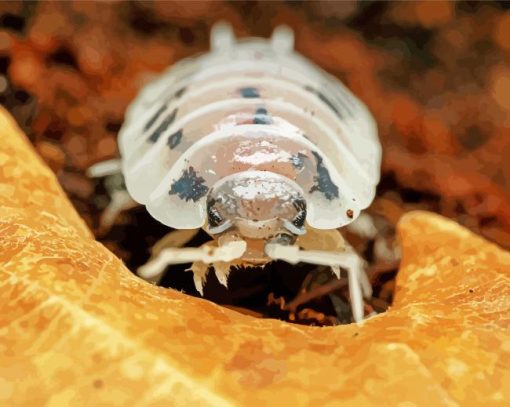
(333,241)
(328,248)
(201,257)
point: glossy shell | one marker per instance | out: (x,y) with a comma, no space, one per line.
(251,106)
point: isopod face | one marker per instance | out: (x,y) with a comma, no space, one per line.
(258,204)
(251,125)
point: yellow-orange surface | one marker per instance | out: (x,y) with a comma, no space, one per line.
(76,327)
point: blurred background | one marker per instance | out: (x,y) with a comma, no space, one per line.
(436,75)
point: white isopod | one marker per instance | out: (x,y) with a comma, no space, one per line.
(259,147)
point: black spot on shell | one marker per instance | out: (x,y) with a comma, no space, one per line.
(323,182)
(249,92)
(322,97)
(180,92)
(175,139)
(155,117)
(154,137)
(262,116)
(190,186)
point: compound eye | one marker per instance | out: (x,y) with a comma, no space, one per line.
(297,224)
(214,217)
(217,224)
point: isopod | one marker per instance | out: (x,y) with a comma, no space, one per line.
(264,150)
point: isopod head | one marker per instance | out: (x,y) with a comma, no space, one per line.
(258,204)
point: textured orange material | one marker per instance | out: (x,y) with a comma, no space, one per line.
(77,327)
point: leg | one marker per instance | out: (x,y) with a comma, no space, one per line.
(331,254)
(105,168)
(178,238)
(332,241)
(363,226)
(200,269)
(120,201)
(175,238)
(222,270)
(369,227)
(201,257)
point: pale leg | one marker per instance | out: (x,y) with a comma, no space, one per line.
(105,168)
(120,201)
(200,269)
(173,239)
(363,226)
(222,270)
(345,257)
(201,257)
(332,241)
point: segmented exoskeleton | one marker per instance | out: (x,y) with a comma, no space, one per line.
(257,146)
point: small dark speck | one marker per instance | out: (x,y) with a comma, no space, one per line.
(98,384)
(471,290)
(454,262)
(249,92)
(349,213)
(175,139)
(355,334)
